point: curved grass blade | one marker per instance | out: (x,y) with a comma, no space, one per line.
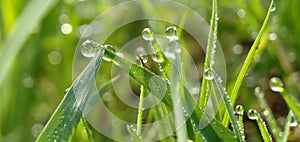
(31,16)
(253,115)
(247,63)
(67,115)
(214,130)
(275,130)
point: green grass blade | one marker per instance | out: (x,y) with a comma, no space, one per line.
(140,113)
(275,130)
(228,105)
(133,133)
(247,63)
(210,51)
(67,115)
(252,114)
(287,127)
(28,20)
(143,76)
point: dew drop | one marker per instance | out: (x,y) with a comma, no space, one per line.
(171,33)
(276,84)
(157,58)
(142,54)
(208,74)
(239,110)
(110,48)
(294,122)
(258,93)
(252,114)
(274,7)
(67,90)
(90,48)
(147,34)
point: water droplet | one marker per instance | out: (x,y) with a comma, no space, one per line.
(171,33)
(208,74)
(294,122)
(110,48)
(273,36)
(90,48)
(241,13)
(66,28)
(258,93)
(157,58)
(147,34)
(252,114)
(142,54)
(276,84)
(273,7)
(66,91)
(239,110)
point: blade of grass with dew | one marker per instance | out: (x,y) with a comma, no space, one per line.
(210,51)
(287,127)
(143,76)
(228,105)
(67,115)
(247,63)
(254,115)
(275,130)
(134,136)
(87,130)
(30,17)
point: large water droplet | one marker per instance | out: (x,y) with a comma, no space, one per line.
(252,114)
(90,48)
(209,74)
(147,34)
(276,84)
(110,48)
(239,110)
(171,33)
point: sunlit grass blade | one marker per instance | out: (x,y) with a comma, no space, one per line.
(143,76)
(253,115)
(228,105)
(252,53)
(29,19)
(67,115)
(133,133)
(210,51)
(275,130)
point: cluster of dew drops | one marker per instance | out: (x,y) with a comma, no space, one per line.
(90,47)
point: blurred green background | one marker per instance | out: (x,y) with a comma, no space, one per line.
(38,41)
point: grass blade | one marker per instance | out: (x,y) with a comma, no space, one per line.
(140,113)
(247,63)
(287,127)
(253,115)
(214,130)
(275,130)
(35,11)
(228,105)
(210,51)
(67,115)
